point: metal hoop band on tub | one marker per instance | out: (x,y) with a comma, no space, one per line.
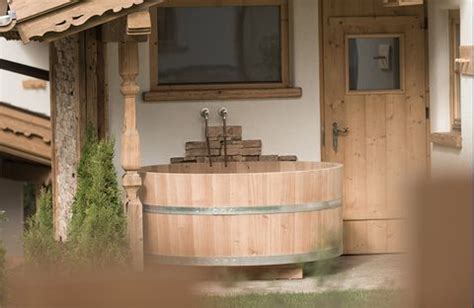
(247,261)
(253,210)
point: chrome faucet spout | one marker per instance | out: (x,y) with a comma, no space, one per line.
(223,114)
(205,116)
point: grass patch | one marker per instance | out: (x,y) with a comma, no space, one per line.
(340,299)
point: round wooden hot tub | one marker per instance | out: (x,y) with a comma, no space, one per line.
(248,214)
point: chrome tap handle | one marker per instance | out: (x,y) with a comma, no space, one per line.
(205,113)
(223,113)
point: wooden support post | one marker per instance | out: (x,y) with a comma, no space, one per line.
(78,98)
(65,101)
(130,153)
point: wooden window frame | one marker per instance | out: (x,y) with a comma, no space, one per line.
(454,71)
(396,3)
(222,91)
(453,138)
(401,37)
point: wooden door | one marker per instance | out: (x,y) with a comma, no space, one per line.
(386,144)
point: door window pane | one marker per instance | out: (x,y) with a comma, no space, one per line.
(219,45)
(374,63)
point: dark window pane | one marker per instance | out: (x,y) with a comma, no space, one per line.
(237,44)
(374,64)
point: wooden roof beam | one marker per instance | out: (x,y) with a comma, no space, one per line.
(72,17)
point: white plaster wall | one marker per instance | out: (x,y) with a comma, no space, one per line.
(11,89)
(11,231)
(447,160)
(286,126)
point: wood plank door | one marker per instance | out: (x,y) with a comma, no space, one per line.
(374,85)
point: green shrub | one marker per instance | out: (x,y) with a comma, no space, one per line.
(97,231)
(84,183)
(97,234)
(41,249)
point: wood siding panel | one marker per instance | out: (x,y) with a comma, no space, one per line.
(416,104)
(374,236)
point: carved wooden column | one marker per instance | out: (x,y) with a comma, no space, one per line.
(128,63)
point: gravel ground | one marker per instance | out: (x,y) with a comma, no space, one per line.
(376,272)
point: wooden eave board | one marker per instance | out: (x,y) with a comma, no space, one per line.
(25,134)
(79,17)
(27,9)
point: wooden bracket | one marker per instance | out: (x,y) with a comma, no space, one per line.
(139,23)
(135,27)
(34,84)
(466,60)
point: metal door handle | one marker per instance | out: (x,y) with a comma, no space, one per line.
(336,132)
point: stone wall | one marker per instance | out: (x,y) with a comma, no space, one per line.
(238,150)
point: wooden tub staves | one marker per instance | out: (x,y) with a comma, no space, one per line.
(248,214)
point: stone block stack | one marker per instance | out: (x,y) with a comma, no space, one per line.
(238,150)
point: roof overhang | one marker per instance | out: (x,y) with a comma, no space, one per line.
(25,135)
(67,17)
